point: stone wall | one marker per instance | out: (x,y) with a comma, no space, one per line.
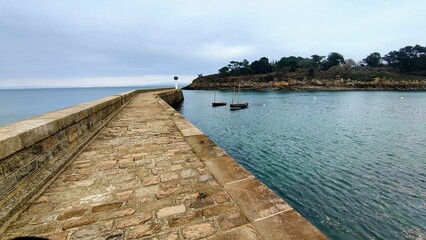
(33,151)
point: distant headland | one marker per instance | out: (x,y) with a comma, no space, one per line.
(403,69)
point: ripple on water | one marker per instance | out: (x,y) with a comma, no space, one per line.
(352,163)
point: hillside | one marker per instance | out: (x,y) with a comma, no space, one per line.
(336,78)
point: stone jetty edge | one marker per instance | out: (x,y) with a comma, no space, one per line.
(34,151)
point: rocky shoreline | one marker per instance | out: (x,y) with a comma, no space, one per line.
(378,84)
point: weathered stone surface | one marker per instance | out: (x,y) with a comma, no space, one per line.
(221,197)
(169,176)
(143,230)
(218,210)
(79,222)
(9,141)
(122,196)
(57,235)
(188,173)
(198,231)
(246,232)
(178,221)
(87,232)
(149,180)
(132,221)
(71,214)
(169,211)
(205,148)
(287,225)
(226,170)
(106,207)
(118,214)
(231,220)
(255,199)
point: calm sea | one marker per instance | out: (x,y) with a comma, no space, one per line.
(352,163)
(19,104)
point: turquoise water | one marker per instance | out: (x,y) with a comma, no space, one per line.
(19,104)
(352,163)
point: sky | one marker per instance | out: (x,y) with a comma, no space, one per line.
(80,43)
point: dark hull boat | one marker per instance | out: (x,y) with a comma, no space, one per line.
(238,106)
(218,104)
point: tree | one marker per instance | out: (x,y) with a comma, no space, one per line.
(287,64)
(224,71)
(408,59)
(373,60)
(261,66)
(333,59)
(317,60)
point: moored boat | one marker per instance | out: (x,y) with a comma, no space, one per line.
(217,104)
(237,105)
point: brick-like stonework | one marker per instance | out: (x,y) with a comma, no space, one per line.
(34,150)
(150,174)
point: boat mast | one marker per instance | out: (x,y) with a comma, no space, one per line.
(233,95)
(214,98)
(238,93)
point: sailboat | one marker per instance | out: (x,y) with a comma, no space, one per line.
(217,104)
(237,105)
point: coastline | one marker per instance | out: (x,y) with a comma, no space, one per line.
(310,87)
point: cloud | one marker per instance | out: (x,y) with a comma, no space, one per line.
(69,40)
(221,51)
(146,80)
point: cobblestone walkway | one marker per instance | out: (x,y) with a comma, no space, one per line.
(144,176)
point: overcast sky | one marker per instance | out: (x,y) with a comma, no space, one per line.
(119,43)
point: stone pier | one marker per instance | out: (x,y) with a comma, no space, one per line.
(148,173)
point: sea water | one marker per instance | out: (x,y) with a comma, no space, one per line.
(352,163)
(19,104)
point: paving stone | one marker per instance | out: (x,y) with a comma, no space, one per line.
(143,230)
(149,180)
(146,190)
(287,225)
(178,221)
(255,199)
(122,196)
(106,207)
(155,204)
(198,231)
(231,220)
(169,211)
(169,176)
(118,214)
(57,235)
(188,173)
(226,170)
(217,210)
(132,221)
(86,232)
(205,177)
(71,214)
(246,232)
(79,222)
(221,197)
(172,236)
(201,202)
